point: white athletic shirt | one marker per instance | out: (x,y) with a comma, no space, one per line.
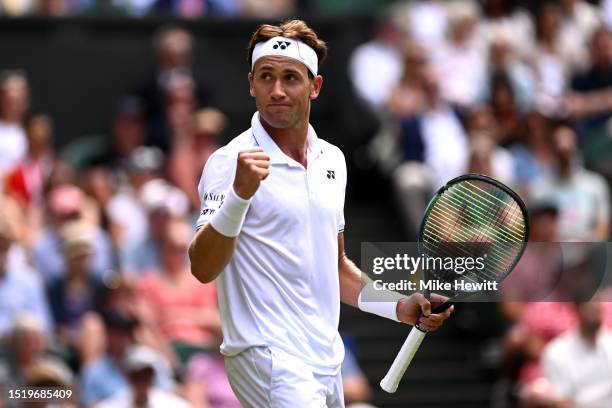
(281,286)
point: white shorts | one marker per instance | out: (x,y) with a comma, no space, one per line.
(264,378)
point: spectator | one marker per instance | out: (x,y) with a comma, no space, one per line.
(129,131)
(180,103)
(189,155)
(505,109)
(487,157)
(376,66)
(54,8)
(103,353)
(460,61)
(26,181)
(174,51)
(555,57)
(185,311)
(187,9)
(407,98)
(505,21)
(581,196)
(21,289)
(26,347)
(578,364)
(139,366)
(590,99)
(52,374)
(14,104)
(503,61)
(207,383)
(435,149)
(427,22)
(268,9)
(68,203)
(533,154)
(157,202)
(124,209)
(76,291)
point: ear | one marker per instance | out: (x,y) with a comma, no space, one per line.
(316,85)
(250,78)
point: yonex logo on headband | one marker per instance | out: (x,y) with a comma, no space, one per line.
(282,44)
(287,47)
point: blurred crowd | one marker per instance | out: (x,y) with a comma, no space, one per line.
(95,288)
(185,9)
(524,96)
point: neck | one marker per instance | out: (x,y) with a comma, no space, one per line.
(292,141)
(589,336)
(140,399)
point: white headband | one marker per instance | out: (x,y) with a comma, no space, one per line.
(287,47)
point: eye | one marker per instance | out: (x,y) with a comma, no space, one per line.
(291,77)
(265,76)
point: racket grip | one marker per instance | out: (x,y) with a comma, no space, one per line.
(390,382)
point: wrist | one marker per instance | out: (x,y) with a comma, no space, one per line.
(228,219)
(386,309)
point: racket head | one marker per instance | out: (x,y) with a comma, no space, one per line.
(470,216)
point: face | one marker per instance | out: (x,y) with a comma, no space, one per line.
(283,91)
(544,227)
(565,143)
(78,262)
(14,98)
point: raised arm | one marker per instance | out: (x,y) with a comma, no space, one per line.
(213,245)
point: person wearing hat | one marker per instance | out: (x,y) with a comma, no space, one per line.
(67,203)
(77,291)
(139,367)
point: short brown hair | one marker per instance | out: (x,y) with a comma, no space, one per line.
(295,29)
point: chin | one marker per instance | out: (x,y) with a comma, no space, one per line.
(278,123)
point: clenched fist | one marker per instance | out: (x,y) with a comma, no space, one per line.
(253,166)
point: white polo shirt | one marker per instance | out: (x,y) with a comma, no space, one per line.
(281,286)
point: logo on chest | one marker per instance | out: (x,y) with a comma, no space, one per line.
(331,174)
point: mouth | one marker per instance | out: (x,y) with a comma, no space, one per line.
(279,105)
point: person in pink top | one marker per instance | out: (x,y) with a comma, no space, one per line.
(185,311)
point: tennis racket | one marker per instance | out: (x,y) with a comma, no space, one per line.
(472,216)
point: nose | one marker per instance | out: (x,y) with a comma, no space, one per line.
(278,92)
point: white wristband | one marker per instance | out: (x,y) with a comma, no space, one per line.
(228,219)
(382,309)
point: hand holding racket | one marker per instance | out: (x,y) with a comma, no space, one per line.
(472,216)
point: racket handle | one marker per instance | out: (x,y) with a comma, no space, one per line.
(402,360)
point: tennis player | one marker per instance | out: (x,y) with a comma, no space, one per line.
(271,234)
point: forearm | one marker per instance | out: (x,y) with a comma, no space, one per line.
(352,281)
(209,253)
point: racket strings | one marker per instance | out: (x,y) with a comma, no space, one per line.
(474,218)
(457,234)
(454,204)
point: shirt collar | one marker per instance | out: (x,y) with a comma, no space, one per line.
(277,156)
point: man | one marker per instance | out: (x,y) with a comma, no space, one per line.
(579,363)
(271,234)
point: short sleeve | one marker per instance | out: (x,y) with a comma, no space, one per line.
(215,182)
